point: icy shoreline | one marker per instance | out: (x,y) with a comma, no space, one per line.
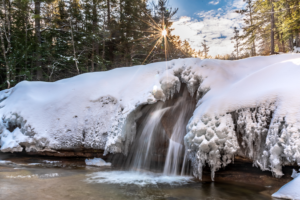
(255,99)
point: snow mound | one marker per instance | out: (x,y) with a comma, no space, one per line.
(296,50)
(136,178)
(97,162)
(291,189)
(249,107)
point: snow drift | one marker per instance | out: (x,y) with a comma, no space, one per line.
(248,107)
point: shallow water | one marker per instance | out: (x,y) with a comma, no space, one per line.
(39,178)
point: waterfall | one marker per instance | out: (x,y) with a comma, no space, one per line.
(176,157)
(160,131)
(176,149)
(148,139)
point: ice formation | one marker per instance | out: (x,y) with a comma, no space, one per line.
(97,162)
(249,107)
(291,189)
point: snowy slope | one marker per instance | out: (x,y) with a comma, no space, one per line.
(255,98)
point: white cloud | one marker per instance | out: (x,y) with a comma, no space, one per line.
(215,26)
(214,2)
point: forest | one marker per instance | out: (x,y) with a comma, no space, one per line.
(48,40)
(269,27)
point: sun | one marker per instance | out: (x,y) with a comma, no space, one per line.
(159,35)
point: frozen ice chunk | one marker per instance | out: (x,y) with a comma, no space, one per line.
(295,174)
(290,190)
(5,162)
(97,162)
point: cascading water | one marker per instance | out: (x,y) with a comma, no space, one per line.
(148,139)
(161,129)
(176,151)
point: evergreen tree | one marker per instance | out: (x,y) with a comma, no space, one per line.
(249,28)
(236,40)
(48,40)
(205,48)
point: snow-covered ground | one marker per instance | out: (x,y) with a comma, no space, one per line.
(256,99)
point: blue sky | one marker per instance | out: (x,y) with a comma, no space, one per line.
(212,20)
(192,7)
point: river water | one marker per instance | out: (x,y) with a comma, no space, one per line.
(37,178)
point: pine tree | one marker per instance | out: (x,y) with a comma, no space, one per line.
(236,40)
(53,39)
(249,28)
(205,48)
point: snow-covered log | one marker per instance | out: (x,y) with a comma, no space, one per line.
(249,107)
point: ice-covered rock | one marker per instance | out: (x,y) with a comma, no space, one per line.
(248,107)
(97,162)
(266,111)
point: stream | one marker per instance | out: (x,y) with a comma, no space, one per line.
(24,177)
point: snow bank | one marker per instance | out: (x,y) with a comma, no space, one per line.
(248,107)
(296,50)
(291,189)
(97,162)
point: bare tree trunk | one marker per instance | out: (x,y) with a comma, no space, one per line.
(288,11)
(7,23)
(282,42)
(103,41)
(95,42)
(272,28)
(253,51)
(298,30)
(7,35)
(92,59)
(73,44)
(37,11)
(26,38)
(5,59)
(108,11)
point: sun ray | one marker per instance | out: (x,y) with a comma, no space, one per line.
(154,37)
(159,40)
(159,34)
(153,25)
(153,21)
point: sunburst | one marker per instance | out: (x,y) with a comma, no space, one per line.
(160,35)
